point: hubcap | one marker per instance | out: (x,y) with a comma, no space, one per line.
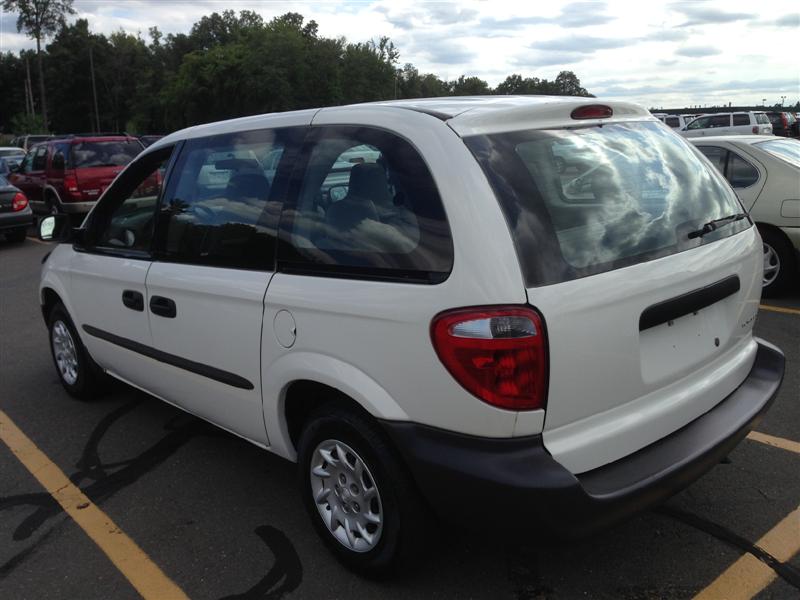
(772,265)
(346,495)
(65,353)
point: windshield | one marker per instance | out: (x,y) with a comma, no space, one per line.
(584,201)
(103,154)
(787,149)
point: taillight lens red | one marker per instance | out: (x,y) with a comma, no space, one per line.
(755,129)
(592,111)
(19,202)
(71,185)
(498,354)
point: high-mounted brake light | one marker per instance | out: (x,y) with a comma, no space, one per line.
(19,202)
(499,354)
(592,111)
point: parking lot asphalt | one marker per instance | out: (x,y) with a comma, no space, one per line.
(219,518)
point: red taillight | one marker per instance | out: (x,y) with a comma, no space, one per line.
(19,202)
(71,185)
(498,354)
(785,121)
(755,129)
(592,111)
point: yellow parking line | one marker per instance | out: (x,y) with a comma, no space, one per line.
(748,576)
(148,579)
(771,440)
(779,309)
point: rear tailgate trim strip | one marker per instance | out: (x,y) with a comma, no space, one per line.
(690,302)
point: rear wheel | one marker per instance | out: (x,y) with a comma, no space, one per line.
(779,262)
(78,373)
(363,503)
(17,235)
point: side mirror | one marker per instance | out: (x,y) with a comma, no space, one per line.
(337,192)
(56,228)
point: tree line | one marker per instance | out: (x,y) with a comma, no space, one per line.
(229,65)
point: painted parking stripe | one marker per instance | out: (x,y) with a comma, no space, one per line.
(148,579)
(780,309)
(777,442)
(748,576)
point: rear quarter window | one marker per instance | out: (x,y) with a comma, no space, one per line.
(741,119)
(633,193)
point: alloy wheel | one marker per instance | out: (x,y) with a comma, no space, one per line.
(346,495)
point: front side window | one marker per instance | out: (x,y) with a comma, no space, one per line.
(223,209)
(637,193)
(124,220)
(699,123)
(366,206)
(741,119)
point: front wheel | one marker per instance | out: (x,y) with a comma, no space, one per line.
(779,263)
(78,373)
(363,503)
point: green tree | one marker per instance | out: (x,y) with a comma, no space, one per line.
(40,19)
(469,86)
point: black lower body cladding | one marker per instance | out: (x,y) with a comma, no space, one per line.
(513,485)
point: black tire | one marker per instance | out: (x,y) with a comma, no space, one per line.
(779,251)
(404,516)
(17,236)
(89,382)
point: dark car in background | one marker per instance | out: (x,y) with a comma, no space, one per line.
(11,156)
(69,174)
(26,142)
(784,123)
(15,212)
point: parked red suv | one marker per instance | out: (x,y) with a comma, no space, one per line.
(69,174)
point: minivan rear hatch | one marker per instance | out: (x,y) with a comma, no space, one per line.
(98,162)
(646,273)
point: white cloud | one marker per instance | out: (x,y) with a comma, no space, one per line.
(648,54)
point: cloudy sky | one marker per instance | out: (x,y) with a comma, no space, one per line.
(666,54)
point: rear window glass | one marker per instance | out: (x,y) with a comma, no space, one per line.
(589,200)
(786,149)
(103,154)
(11,152)
(762,119)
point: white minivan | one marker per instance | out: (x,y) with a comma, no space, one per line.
(735,123)
(417,306)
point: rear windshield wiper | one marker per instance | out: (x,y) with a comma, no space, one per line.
(716,224)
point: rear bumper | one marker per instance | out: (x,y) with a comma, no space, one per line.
(513,485)
(15,220)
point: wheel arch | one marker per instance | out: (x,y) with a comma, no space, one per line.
(299,382)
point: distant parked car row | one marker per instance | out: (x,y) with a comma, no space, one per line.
(733,123)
